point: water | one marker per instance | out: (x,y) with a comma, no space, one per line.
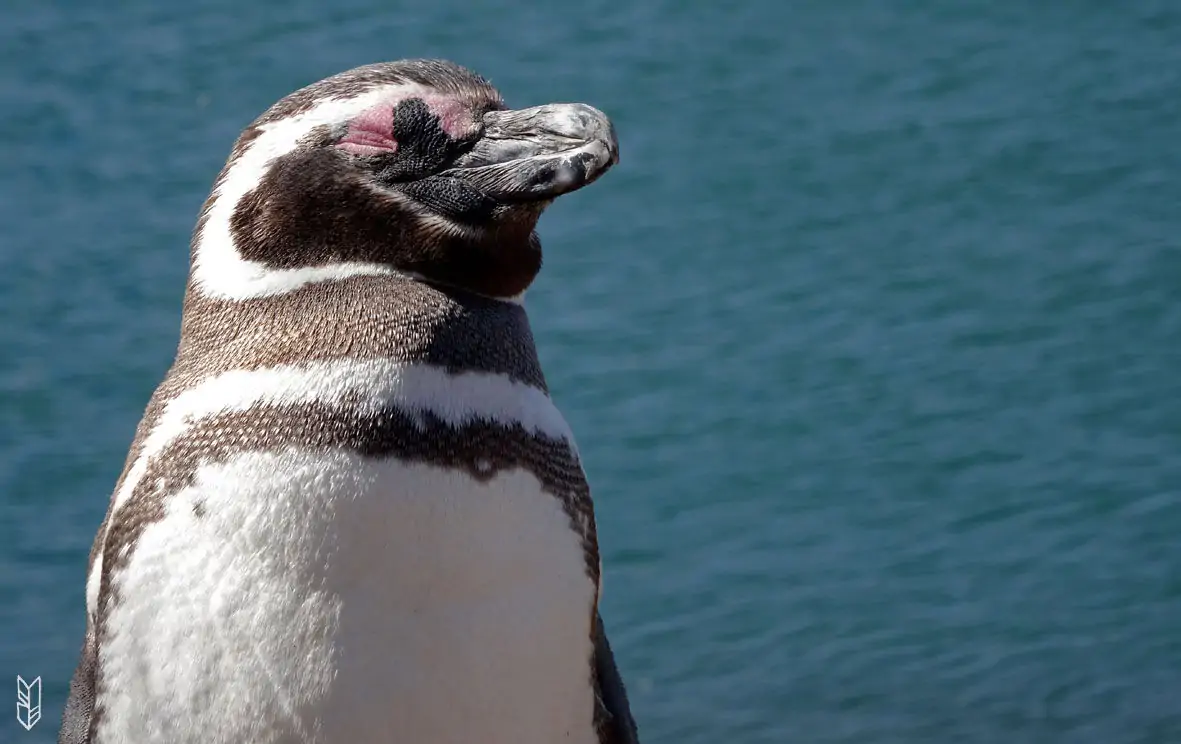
(870,342)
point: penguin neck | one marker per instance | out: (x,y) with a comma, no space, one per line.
(386,316)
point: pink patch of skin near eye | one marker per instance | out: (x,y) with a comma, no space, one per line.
(370,132)
(454,117)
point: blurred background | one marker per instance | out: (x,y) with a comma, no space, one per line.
(871,342)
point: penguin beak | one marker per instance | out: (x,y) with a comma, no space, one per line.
(538,153)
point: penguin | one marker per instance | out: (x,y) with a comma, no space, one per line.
(351,511)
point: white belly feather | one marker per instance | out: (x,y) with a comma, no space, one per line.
(323,596)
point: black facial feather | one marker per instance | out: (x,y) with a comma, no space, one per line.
(452,198)
(314,207)
(423,146)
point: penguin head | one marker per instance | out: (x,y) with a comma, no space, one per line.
(415,167)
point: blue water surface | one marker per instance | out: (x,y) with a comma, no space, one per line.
(870,342)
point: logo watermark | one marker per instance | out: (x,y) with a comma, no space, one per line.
(28,702)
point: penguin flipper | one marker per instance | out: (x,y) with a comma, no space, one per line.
(75,728)
(615,723)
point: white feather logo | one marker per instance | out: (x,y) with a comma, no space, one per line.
(28,702)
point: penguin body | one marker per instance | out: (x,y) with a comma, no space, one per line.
(352,511)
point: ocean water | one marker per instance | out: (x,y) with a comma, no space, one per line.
(870,342)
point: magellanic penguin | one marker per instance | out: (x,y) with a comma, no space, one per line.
(351,512)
